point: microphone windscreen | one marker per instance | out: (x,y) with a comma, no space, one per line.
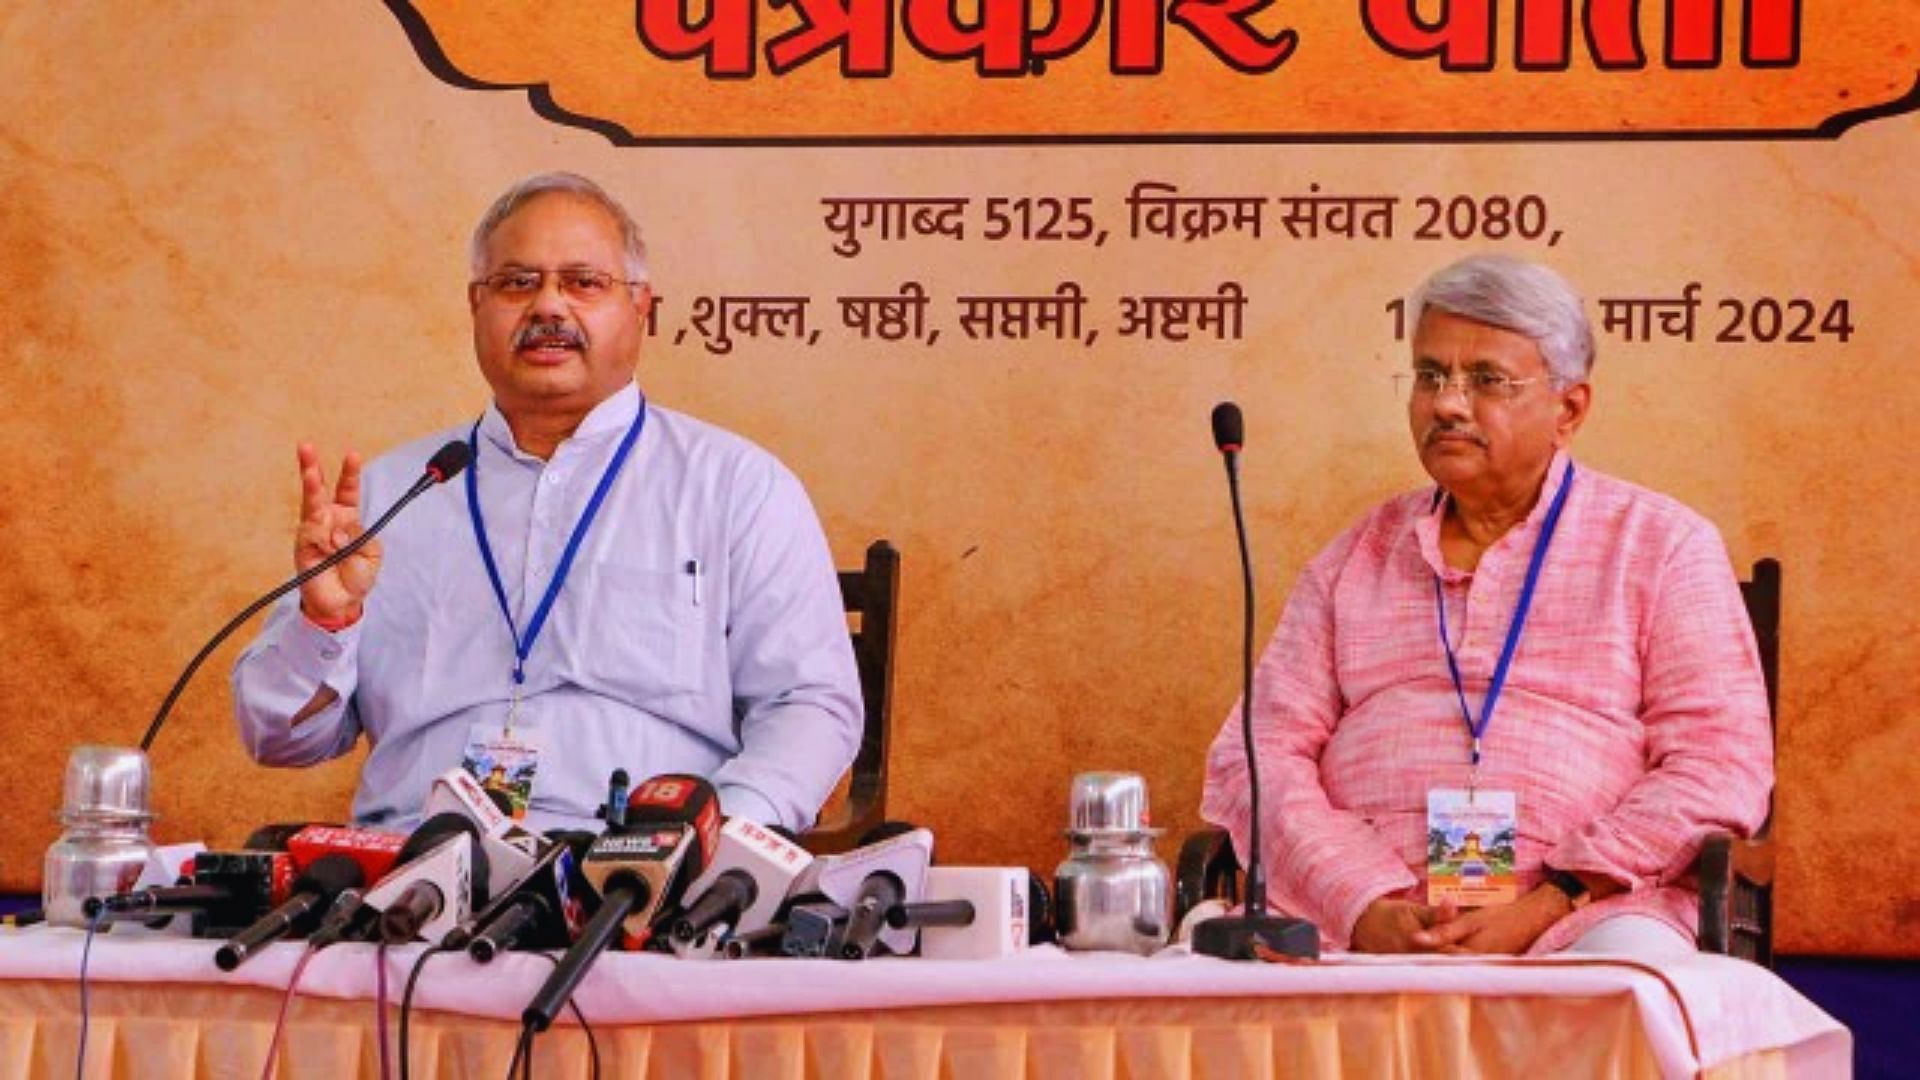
(375,850)
(1229,429)
(678,799)
(331,875)
(435,830)
(448,461)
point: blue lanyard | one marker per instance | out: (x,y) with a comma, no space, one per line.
(523,646)
(1513,629)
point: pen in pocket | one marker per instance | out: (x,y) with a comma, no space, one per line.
(693,571)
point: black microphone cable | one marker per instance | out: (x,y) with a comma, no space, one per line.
(593,1044)
(522,1051)
(406,1005)
(406,1010)
(446,463)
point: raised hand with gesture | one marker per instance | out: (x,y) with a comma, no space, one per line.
(329,522)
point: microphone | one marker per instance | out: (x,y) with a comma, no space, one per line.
(765,941)
(442,876)
(1229,430)
(542,912)
(511,850)
(167,867)
(672,830)
(969,913)
(428,887)
(704,946)
(615,811)
(869,880)
(931,913)
(752,872)
(375,850)
(1240,937)
(446,463)
(814,928)
(313,893)
(349,919)
(879,894)
(156,900)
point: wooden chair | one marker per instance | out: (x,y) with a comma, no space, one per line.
(1735,875)
(869,595)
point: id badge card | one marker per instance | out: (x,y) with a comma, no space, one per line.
(504,764)
(1470,847)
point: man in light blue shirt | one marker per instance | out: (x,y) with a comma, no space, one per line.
(610,585)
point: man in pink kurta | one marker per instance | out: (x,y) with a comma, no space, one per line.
(1632,722)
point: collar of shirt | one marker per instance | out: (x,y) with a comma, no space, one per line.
(609,419)
(1426,528)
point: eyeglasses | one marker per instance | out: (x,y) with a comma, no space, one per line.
(582,285)
(1479,385)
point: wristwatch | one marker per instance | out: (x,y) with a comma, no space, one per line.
(1576,890)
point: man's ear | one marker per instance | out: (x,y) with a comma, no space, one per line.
(1574,403)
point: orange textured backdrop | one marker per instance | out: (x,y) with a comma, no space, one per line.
(1335,79)
(223,231)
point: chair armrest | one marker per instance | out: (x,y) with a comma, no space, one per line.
(1208,870)
(1729,865)
(844,822)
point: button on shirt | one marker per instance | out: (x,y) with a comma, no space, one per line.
(1634,719)
(700,629)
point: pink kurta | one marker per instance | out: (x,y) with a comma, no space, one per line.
(1633,722)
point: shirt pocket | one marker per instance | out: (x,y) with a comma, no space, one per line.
(638,632)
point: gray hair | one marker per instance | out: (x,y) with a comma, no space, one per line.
(1525,297)
(564,183)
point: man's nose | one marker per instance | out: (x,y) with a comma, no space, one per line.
(549,300)
(1452,399)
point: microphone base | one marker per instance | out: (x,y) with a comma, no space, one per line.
(1235,937)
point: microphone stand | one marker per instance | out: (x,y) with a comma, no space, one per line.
(1253,934)
(438,471)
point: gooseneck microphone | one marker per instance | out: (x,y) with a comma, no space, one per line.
(1240,937)
(1230,434)
(446,463)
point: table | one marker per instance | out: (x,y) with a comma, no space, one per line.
(160,1008)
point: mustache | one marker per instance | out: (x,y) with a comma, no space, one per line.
(538,334)
(1438,431)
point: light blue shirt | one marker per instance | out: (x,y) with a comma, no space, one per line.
(700,629)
